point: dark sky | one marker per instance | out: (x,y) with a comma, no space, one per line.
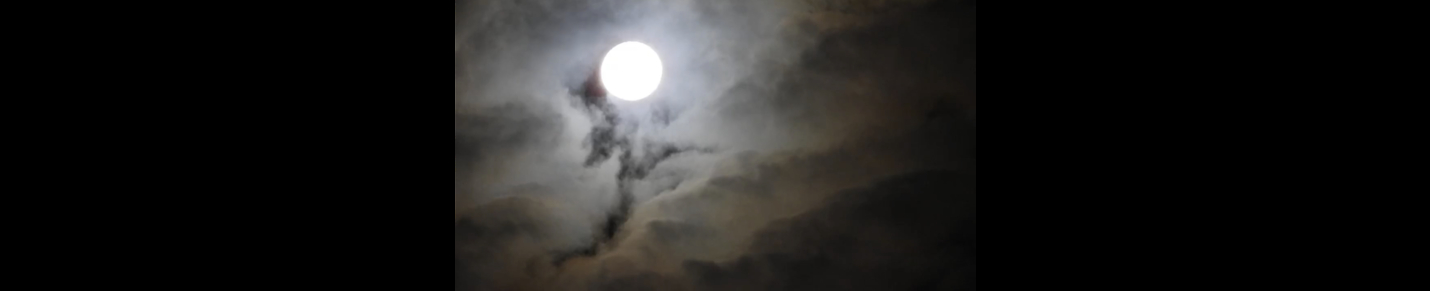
(791,145)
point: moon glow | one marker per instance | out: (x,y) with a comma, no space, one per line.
(630,71)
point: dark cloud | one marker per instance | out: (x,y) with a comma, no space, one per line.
(504,244)
(906,232)
(792,145)
(492,134)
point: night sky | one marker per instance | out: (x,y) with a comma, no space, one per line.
(791,145)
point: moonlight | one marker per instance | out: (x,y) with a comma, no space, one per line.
(631,71)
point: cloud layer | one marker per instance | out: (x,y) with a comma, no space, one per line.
(822,145)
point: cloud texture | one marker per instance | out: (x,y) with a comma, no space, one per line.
(792,145)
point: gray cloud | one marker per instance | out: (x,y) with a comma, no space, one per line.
(791,145)
(902,233)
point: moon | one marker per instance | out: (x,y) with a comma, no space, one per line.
(630,71)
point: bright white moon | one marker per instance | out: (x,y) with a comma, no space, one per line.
(631,71)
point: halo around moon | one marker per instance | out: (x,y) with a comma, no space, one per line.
(630,71)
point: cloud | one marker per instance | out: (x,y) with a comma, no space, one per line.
(508,243)
(904,232)
(791,145)
(490,138)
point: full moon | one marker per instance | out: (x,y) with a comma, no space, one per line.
(630,71)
